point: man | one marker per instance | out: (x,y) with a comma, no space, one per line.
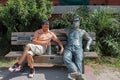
(74,49)
(40,42)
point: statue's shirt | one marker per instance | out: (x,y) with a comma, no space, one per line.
(74,39)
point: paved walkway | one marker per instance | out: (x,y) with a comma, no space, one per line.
(54,73)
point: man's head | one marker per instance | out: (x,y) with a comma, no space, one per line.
(76,22)
(45,25)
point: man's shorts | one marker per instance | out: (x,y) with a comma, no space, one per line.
(36,49)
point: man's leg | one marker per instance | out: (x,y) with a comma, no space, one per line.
(30,60)
(26,49)
(17,66)
(35,50)
(31,65)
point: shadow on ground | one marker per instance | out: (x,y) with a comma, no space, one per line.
(54,73)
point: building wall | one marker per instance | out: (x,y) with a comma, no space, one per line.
(91,2)
(113,2)
(98,2)
(3,2)
(94,2)
(55,2)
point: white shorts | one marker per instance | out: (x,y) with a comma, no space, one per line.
(36,49)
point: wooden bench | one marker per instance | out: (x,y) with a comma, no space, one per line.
(50,58)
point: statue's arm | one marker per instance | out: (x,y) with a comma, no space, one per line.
(89,41)
(63,31)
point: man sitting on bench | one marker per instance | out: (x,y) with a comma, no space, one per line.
(40,42)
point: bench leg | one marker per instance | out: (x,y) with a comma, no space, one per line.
(83,66)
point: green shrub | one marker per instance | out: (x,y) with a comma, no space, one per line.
(103,22)
(59,24)
(64,22)
(23,15)
(106,25)
(107,29)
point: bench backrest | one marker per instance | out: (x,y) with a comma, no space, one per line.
(22,38)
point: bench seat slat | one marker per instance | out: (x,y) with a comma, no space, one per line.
(52,43)
(22,33)
(18,54)
(18,43)
(65,42)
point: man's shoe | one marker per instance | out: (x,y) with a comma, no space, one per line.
(15,67)
(32,72)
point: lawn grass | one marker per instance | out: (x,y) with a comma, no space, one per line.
(6,62)
(106,61)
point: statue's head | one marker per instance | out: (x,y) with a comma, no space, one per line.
(76,22)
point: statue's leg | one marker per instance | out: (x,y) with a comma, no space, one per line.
(70,64)
(68,61)
(78,61)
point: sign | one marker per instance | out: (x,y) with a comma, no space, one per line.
(74,2)
(24,39)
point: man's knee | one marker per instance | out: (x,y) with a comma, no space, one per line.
(27,47)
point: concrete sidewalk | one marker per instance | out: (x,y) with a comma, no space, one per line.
(53,73)
(56,73)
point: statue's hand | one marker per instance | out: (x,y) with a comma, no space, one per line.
(87,48)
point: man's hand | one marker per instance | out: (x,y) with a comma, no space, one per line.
(61,51)
(60,44)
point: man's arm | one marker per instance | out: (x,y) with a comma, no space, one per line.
(43,43)
(61,46)
(89,41)
(54,38)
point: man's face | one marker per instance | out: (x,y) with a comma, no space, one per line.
(76,24)
(45,27)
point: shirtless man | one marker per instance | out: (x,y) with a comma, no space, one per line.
(41,40)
